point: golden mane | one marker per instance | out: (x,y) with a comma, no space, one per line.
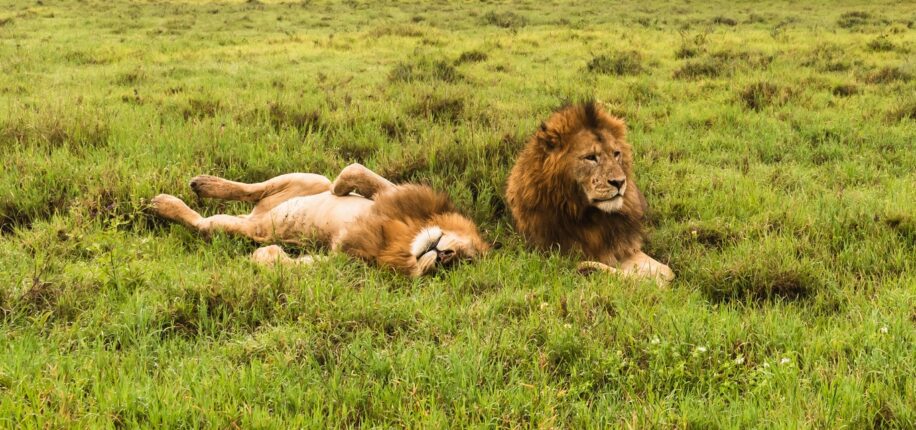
(548,205)
(384,234)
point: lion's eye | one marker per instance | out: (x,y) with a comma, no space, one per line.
(617,154)
(593,157)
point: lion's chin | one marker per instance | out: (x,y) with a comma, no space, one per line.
(611,205)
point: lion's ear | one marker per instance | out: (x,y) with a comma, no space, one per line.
(616,126)
(548,138)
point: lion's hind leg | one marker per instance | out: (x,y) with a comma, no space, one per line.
(218,188)
(173,208)
(268,193)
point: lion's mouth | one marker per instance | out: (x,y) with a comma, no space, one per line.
(428,241)
(608,199)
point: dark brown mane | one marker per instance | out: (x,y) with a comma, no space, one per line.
(549,207)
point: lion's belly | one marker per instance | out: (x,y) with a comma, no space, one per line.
(321,217)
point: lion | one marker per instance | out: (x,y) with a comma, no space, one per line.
(407,227)
(572,187)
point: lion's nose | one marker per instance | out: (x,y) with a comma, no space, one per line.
(445,255)
(618,183)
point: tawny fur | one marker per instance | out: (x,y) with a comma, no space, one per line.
(410,228)
(561,198)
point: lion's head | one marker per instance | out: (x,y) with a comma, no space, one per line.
(414,230)
(573,184)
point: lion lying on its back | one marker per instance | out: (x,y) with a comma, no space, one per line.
(410,228)
(573,187)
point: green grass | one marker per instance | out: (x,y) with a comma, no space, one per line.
(774,142)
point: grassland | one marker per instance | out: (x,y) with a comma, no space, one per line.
(775,143)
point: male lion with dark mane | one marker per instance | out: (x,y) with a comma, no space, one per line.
(572,187)
(410,228)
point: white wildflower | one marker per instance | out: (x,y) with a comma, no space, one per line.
(785,360)
(739,359)
(655,340)
(883,330)
(701,349)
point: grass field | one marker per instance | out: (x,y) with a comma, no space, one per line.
(774,142)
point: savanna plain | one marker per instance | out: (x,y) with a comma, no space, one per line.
(773,140)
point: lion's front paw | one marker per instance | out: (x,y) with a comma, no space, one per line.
(341,187)
(650,269)
(665,273)
(426,264)
(588,267)
(268,255)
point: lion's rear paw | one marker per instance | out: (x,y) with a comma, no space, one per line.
(206,185)
(166,205)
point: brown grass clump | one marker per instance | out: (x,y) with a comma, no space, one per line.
(508,19)
(762,94)
(617,63)
(887,75)
(845,90)
(439,108)
(76,128)
(424,70)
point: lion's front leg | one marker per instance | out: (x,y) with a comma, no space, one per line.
(640,264)
(273,254)
(357,178)
(586,267)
